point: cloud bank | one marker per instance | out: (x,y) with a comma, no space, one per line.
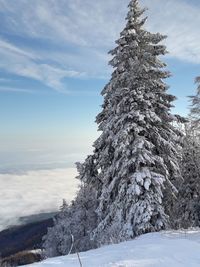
(34,192)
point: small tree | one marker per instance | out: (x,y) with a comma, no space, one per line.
(76,220)
(57,240)
(195,107)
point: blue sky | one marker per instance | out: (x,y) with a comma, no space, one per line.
(53,65)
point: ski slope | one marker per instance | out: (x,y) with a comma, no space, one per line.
(163,249)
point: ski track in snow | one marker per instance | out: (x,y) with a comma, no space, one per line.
(163,249)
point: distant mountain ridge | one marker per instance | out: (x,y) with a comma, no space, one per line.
(27,236)
(36,217)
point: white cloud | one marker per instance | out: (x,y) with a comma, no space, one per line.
(15,50)
(81,32)
(20,62)
(34,192)
(180,21)
(88,23)
(15,90)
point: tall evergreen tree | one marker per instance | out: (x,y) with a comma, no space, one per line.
(135,156)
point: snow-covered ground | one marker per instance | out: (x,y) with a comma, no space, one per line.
(164,249)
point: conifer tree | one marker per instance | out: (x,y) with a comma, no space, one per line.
(135,156)
(73,225)
(195,107)
(187,208)
(58,239)
(135,159)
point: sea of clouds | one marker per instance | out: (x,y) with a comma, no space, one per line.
(33,192)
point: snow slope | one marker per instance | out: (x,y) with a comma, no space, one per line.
(164,249)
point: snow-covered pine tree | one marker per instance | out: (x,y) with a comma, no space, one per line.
(135,155)
(78,220)
(57,241)
(195,107)
(187,208)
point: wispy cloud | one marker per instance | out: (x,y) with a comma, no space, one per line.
(15,90)
(15,50)
(179,20)
(88,23)
(76,36)
(20,62)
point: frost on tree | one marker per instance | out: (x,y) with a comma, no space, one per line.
(77,220)
(195,108)
(135,155)
(187,208)
(58,239)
